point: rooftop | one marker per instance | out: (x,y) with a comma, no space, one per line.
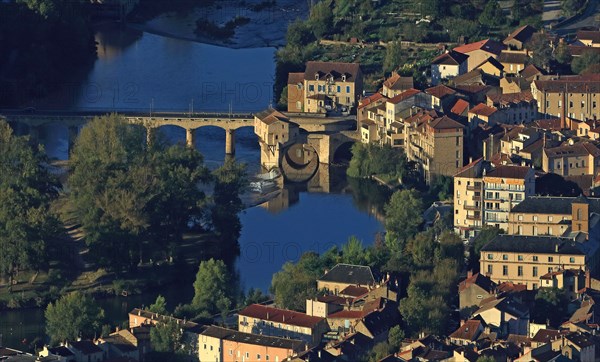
(589,83)
(85,347)
(249,338)
(577,149)
(349,274)
(404,95)
(333,69)
(552,205)
(285,316)
(533,244)
(522,34)
(483,110)
(469,331)
(450,58)
(505,171)
(487,45)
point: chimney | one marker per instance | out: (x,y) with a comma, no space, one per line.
(588,284)
(117,329)
(556,248)
(469,273)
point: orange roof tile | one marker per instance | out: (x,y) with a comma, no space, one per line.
(483,110)
(487,45)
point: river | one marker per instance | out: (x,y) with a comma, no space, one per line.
(137,70)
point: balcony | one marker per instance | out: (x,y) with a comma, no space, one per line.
(473,217)
(472,207)
(476,198)
(474,187)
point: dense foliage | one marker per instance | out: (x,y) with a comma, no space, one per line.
(373,159)
(72,316)
(213,292)
(131,198)
(26,191)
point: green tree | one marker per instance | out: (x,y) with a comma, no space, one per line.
(562,54)
(321,18)
(404,213)
(395,337)
(166,337)
(299,34)
(211,286)
(486,359)
(73,315)
(421,247)
(585,60)
(230,181)
(393,56)
(26,191)
(485,235)
(458,27)
(295,283)
(571,7)
(442,187)
(491,14)
(255,296)
(542,52)
(551,304)
(159,306)
(353,252)
(452,247)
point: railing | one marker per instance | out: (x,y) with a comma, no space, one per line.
(472,207)
(474,187)
(473,217)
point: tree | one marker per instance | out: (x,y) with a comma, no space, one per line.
(491,14)
(404,213)
(442,187)
(26,191)
(571,7)
(73,315)
(395,337)
(485,235)
(230,181)
(542,52)
(299,34)
(458,27)
(159,306)
(166,336)
(211,286)
(255,296)
(552,184)
(321,18)
(126,194)
(562,54)
(584,61)
(393,56)
(551,305)
(295,283)
(452,247)
(353,252)
(421,248)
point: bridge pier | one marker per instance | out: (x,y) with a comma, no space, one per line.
(190,137)
(229,141)
(73,131)
(150,133)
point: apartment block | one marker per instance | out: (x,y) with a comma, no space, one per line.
(576,97)
(572,159)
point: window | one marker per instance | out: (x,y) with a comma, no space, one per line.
(205,346)
(535,258)
(535,271)
(534,286)
(520,271)
(231,352)
(534,217)
(550,270)
(549,218)
(339,89)
(267,357)
(258,357)
(490,256)
(571,260)
(550,259)
(504,257)
(504,270)
(347,89)
(520,217)
(457,141)
(311,88)
(247,354)
(520,257)
(211,348)
(489,269)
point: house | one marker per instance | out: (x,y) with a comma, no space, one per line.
(513,62)
(512,84)
(86,351)
(474,289)
(524,259)
(467,333)
(503,188)
(436,146)
(295,92)
(579,346)
(531,72)
(441,97)
(331,86)
(480,51)
(342,276)
(572,159)
(121,343)
(275,132)
(219,344)
(403,101)
(448,66)
(491,67)
(468,196)
(504,316)
(276,322)
(60,354)
(514,108)
(519,37)
(552,215)
(460,108)
(570,280)
(377,323)
(589,38)
(576,97)
(484,114)
(369,131)
(396,84)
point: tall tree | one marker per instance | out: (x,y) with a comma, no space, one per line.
(73,315)
(159,306)
(393,56)
(542,52)
(404,213)
(295,283)
(26,190)
(212,284)
(491,14)
(321,18)
(166,337)
(230,181)
(585,60)
(562,54)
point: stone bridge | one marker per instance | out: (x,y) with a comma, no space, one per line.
(188,121)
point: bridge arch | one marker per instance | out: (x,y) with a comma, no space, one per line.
(300,162)
(342,152)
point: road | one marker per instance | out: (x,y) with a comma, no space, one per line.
(590,18)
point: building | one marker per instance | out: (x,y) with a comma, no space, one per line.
(342,276)
(491,66)
(572,159)
(86,351)
(436,146)
(576,97)
(275,132)
(524,259)
(448,66)
(468,198)
(552,215)
(226,345)
(121,344)
(270,321)
(396,84)
(513,62)
(520,36)
(484,114)
(505,187)
(467,333)
(475,289)
(589,38)
(331,86)
(295,92)
(442,97)
(404,101)
(514,108)
(504,316)
(479,51)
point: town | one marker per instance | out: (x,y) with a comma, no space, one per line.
(489,155)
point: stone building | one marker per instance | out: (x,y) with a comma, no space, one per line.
(576,97)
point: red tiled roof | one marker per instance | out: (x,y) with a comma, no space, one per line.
(460,107)
(510,287)
(404,95)
(530,71)
(578,149)
(466,168)
(398,82)
(354,291)
(271,314)
(487,45)
(522,34)
(440,91)
(546,335)
(589,83)
(511,98)
(450,58)
(445,122)
(548,124)
(370,99)
(483,110)
(518,172)
(468,331)
(477,279)
(594,36)
(347,314)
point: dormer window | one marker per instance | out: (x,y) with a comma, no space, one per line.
(316,76)
(343,77)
